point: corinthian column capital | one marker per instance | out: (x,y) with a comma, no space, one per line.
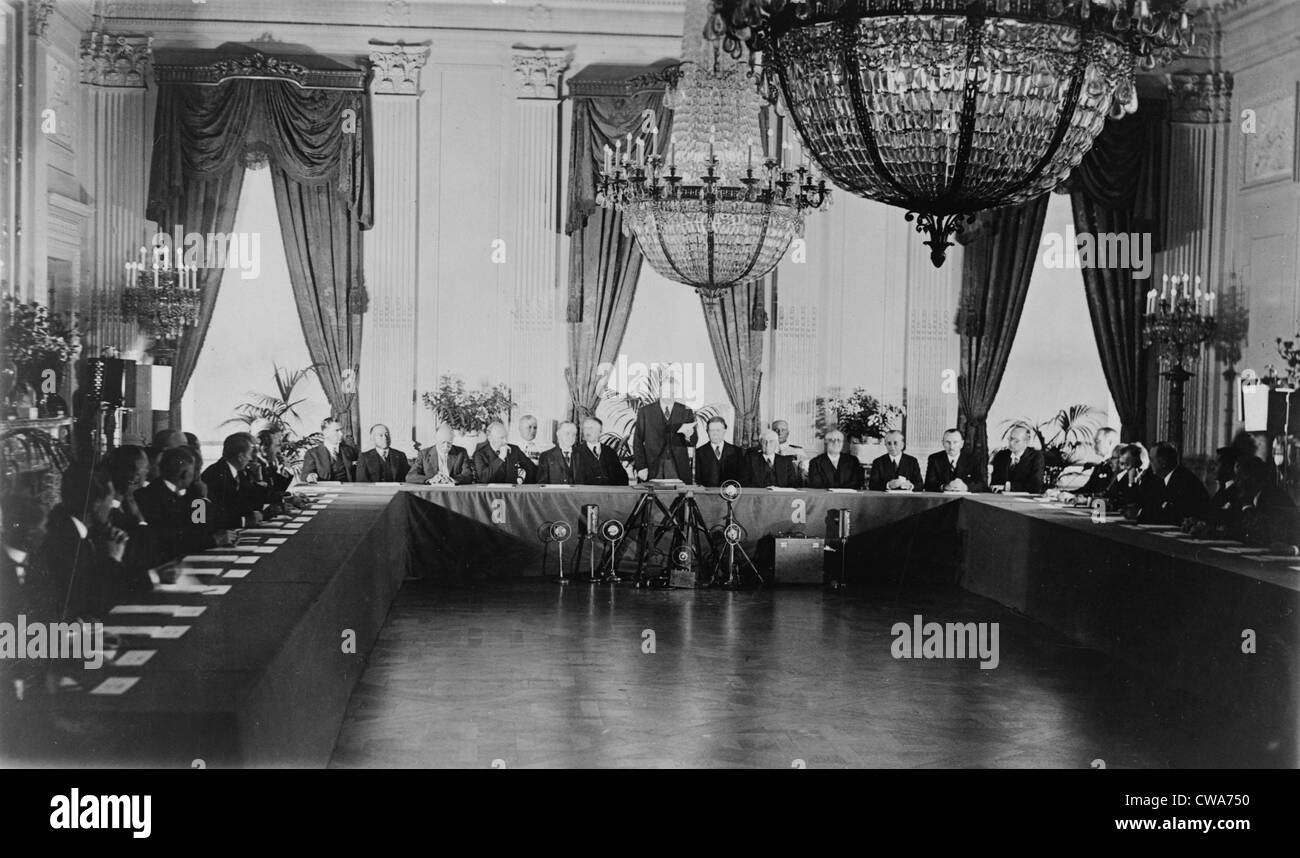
(1201,97)
(538,71)
(395,68)
(116,59)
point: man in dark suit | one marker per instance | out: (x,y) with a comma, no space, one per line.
(835,469)
(443,464)
(332,459)
(1173,495)
(1019,468)
(895,471)
(1106,445)
(717,461)
(952,469)
(501,462)
(560,464)
(265,466)
(598,464)
(663,430)
(382,464)
(234,497)
(767,467)
(168,508)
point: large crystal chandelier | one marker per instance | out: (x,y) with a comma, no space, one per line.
(708,215)
(947,107)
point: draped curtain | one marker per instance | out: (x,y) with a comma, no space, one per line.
(1117,189)
(997,265)
(604,264)
(736,321)
(316,143)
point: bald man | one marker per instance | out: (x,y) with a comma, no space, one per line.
(502,462)
(560,464)
(1019,468)
(443,464)
(598,463)
(769,468)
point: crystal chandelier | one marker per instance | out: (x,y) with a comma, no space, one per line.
(734,222)
(947,107)
(163,298)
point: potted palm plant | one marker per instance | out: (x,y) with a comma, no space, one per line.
(1065,438)
(618,411)
(279,412)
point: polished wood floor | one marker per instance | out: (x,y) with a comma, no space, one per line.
(532,674)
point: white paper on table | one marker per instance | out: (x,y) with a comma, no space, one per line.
(845,491)
(169,610)
(308,514)
(1208,543)
(1241,550)
(237,573)
(134,658)
(1294,568)
(141,631)
(189,611)
(781,489)
(195,571)
(280,541)
(247,561)
(181,588)
(171,632)
(115,685)
(1272,558)
(208,558)
(1157,526)
(217,590)
(555,486)
(264,549)
(293,527)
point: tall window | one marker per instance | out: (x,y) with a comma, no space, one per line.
(254,328)
(1054,362)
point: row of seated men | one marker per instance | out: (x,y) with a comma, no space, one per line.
(136,511)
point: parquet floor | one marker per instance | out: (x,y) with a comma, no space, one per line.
(532,674)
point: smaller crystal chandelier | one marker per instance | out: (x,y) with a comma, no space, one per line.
(1178,321)
(162,297)
(721,221)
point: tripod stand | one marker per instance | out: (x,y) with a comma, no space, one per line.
(639,521)
(688,527)
(732,534)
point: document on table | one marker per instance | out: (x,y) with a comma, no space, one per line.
(115,685)
(134,658)
(196,589)
(260,531)
(1191,540)
(246,561)
(158,632)
(1243,549)
(844,491)
(781,489)
(168,610)
(280,541)
(208,558)
(238,573)
(1157,526)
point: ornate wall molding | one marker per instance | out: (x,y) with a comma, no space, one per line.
(538,71)
(1200,97)
(38,20)
(116,59)
(395,68)
(259,66)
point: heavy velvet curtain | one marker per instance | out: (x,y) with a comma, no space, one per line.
(736,321)
(1117,188)
(996,268)
(315,141)
(604,264)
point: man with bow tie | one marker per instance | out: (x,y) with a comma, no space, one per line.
(953,469)
(231,491)
(443,464)
(382,464)
(1019,466)
(895,471)
(663,430)
(598,464)
(332,460)
(835,469)
(560,464)
(717,461)
(768,467)
(502,462)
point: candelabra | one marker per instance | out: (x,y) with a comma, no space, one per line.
(1179,320)
(164,298)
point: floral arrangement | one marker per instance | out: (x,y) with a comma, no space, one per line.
(468,411)
(862,417)
(35,336)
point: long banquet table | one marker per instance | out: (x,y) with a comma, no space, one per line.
(263,676)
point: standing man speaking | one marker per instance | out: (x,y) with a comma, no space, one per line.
(663,433)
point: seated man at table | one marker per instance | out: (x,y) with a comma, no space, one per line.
(1107,446)
(1173,493)
(266,465)
(835,469)
(717,461)
(177,523)
(895,471)
(1135,470)
(560,464)
(769,468)
(382,464)
(443,464)
(598,465)
(332,459)
(501,462)
(953,469)
(235,498)
(1019,468)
